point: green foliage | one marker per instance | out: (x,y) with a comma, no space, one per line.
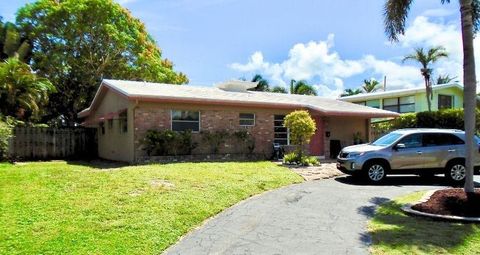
(12,42)
(370,86)
(302,127)
(263,84)
(48,207)
(214,139)
(350,92)
(293,158)
(5,135)
(245,137)
(278,89)
(302,88)
(76,43)
(448,118)
(167,143)
(22,93)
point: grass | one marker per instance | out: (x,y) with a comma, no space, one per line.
(78,208)
(396,233)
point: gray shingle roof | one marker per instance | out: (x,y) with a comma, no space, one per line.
(328,106)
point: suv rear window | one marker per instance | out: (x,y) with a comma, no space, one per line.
(438,139)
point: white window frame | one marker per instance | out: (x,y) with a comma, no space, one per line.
(240,119)
(199,120)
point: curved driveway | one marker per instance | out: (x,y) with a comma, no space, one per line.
(318,217)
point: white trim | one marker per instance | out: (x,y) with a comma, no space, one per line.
(240,119)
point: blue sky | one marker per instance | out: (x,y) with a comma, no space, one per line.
(334,44)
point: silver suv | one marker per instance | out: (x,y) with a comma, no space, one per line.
(409,151)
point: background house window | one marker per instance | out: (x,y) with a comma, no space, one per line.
(247,119)
(445,102)
(185,120)
(399,104)
(373,103)
(123,122)
(281,134)
(361,103)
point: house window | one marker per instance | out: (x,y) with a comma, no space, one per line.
(281,133)
(445,102)
(399,104)
(123,122)
(185,120)
(373,103)
(247,119)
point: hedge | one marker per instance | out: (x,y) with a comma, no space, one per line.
(5,134)
(451,119)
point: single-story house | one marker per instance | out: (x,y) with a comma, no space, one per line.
(123,111)
(445,96)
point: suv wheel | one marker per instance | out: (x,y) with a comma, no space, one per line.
(376,172)
(455,172)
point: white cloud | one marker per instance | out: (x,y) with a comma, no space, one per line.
(320,64)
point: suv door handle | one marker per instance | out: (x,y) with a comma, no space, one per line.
(451,150)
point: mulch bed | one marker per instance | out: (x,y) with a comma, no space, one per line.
(452,202)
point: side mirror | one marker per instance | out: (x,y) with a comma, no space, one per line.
(399,146)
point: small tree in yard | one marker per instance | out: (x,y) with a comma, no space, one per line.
(301,127)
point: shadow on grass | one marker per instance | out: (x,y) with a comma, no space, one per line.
(400,180)
(391,229)
(98,163)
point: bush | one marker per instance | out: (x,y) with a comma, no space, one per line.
(302,127)
(168,143)
(294,158)
(214,139)
(243,136)
(449,118)
(5,134)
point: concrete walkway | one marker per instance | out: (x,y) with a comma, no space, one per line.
(318,217)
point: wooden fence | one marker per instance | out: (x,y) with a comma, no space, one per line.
(52,143)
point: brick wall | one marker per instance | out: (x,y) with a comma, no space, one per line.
(154,117)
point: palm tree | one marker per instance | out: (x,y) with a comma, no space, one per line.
(395,17)
(262,85)
(444,79)
(278,89)
(21,91)
(425,58)
(370,86)
(350,92)
(12,44)
(302,88)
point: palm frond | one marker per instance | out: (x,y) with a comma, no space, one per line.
(395,13)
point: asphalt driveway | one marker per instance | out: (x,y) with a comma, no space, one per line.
(318,217)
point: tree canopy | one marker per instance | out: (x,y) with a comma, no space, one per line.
(350,92)
(301,126)
(370,86)
(22,93)
(12,42)
(263,84)
(77,43)
(302,88)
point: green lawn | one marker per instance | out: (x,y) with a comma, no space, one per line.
(78,208)
(395,233)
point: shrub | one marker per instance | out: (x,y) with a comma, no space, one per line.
(296,159)
(214,139)
(167,142)
(5,134)
(302,127)
(243,136)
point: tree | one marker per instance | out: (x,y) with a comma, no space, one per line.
(301,127)
(22,93)
(350,92)
(445,79)
(395,16)
(278,89)
(12,43)
(425,58)
(262,85)
(77,43)
(302,88)
(370,86)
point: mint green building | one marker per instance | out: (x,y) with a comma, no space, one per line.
(445,96)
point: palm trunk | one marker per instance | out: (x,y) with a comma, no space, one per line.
(469,80)
(427,91)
